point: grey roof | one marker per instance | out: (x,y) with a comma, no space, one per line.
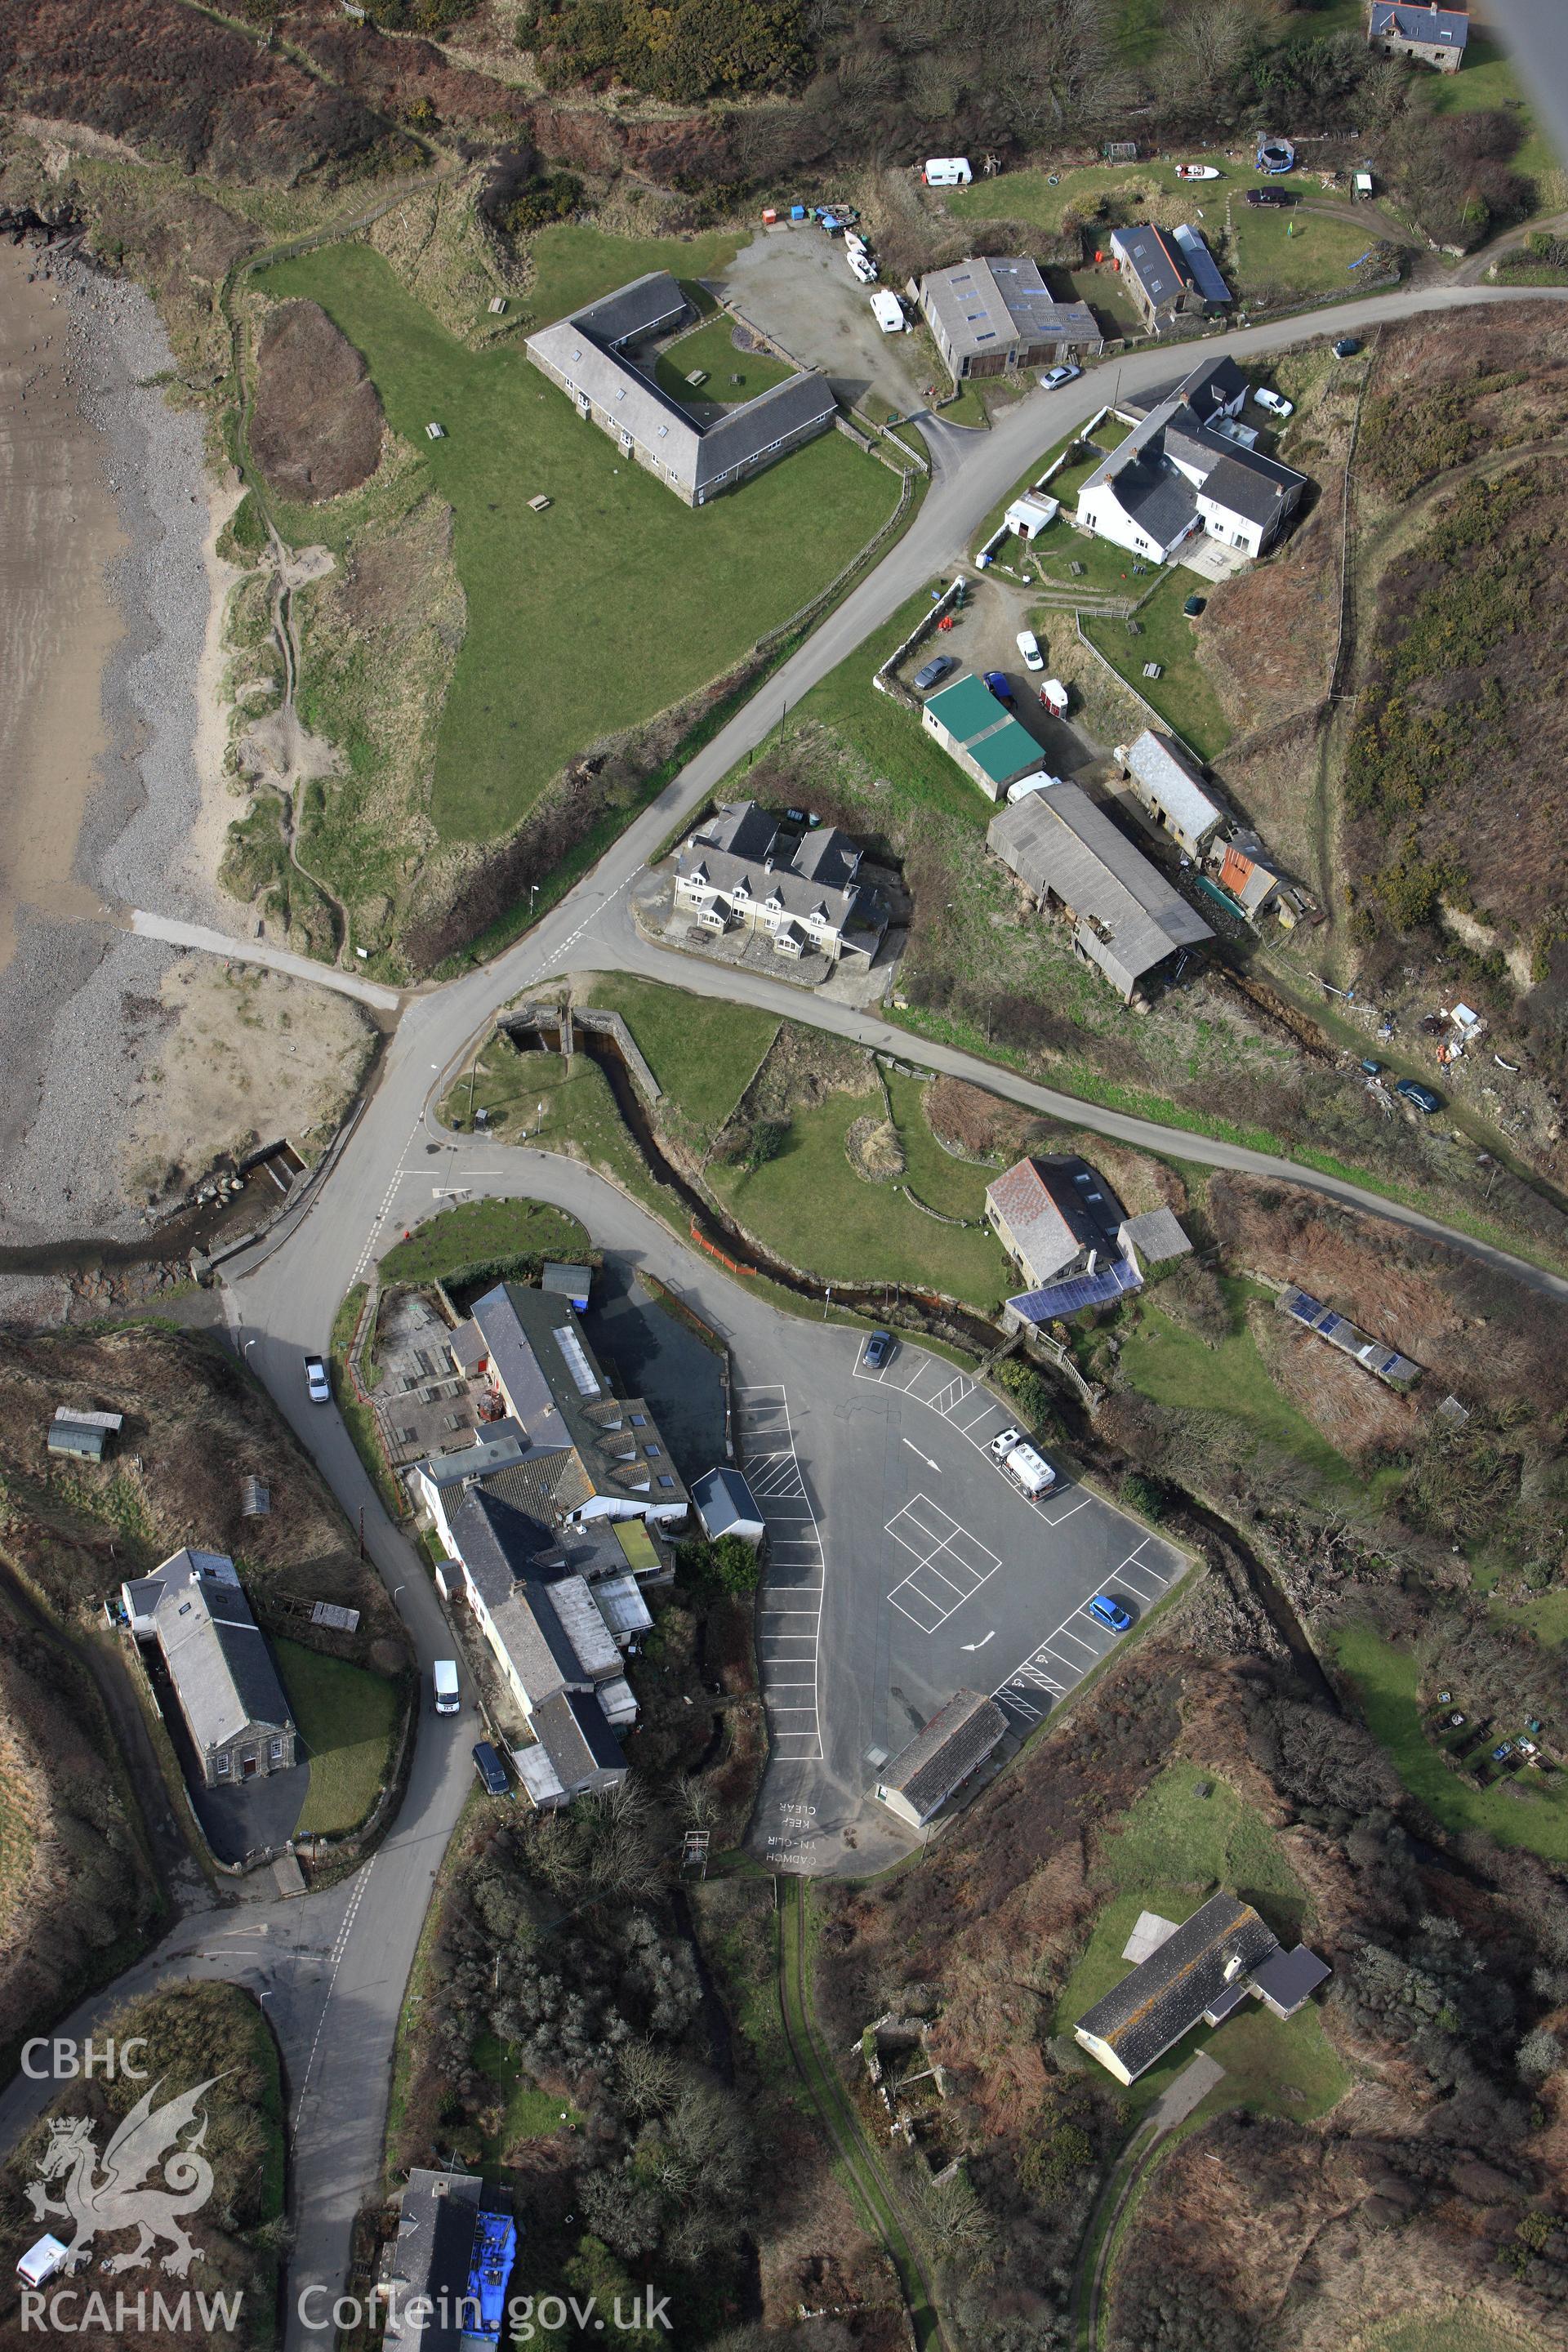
(1400,22)
(587,352)
(741,854)
(1159,268)
(497,1444)
(1212,384)
(619,1602)
(1129,918)
(959,1735)
(826,857)
(1157,1235)
(542,1485)
(430,2256)
(499,1546)
(984,306)
(572,1732)
(517,1367)
(1155,494)
(1287,1979)
(585,1440)
(1202,266)
(722,1496)
(1250,485)
(743,828)
(217,1657)
(1163,1998)
(1056,1209)
(1170,779)
(566,1281)
(582,1623)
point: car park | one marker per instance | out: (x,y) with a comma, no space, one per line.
(490,1770)
(318,1388)
(1274,402)
(879,1348)
(1030,647)
(997,681)
(1346,348)
(1055,377)
(930,672)
(1269,196)
(1423,1099)
(1004,1442)
(1106,1609)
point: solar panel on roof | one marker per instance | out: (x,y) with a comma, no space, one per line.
(1305,1309)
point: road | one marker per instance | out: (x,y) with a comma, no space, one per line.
(338,1992)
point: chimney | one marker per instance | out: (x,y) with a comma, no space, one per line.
(1092,1256)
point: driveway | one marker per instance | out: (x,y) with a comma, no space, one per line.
(904,1565)
(794,284)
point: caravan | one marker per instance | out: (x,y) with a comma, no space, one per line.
(946,171)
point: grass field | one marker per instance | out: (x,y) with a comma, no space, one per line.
(539,1093)
(1487,79)
(1386,1682)
(575,263)
(711,348)
(1173,1851)
(1293,251)
(527,2112)
(1183,697)
(1129,188)
(477,1232)
(346,1719)
(618,602)
(1453,2331)
(703,1051)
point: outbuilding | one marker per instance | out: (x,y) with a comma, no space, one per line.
(985,739)
(1171,787)
(727,1507)
(939,1760)
(76,1430)
(572,1282)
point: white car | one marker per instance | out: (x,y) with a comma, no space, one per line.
(1004,1442)
(1029,645)
(1054,378)
(318,1388)
(1274,402)
(863,267)
(889,313)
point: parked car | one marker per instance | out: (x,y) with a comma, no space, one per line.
(996,680)
(1029,647)
(1054,378)
(1193,607)
(879,1348)
(318,1388)
(1270,197)
(1347,347)
(1424,1098)
(930,672)
(1002,1444)
(490,1770)
(1274,402)
(863,268)
(1108,1611)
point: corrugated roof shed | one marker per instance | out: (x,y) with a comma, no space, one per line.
(959,1737)
(1201,264)
(1128,917)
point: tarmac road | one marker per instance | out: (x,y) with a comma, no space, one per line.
(337,1996)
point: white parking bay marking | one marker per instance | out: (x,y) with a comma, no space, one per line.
(789,1615)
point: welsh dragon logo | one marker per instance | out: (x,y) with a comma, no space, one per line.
(101,2199)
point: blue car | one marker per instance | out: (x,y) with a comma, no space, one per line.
(879,1348)
(998,682)
(490,1770)
(1106,1611)
(1423,1097)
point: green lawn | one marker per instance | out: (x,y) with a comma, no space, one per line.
(346,1719)
(1183,696)
(1130,190)
(478,1232)
(711,348)
(591,617)
(703,1051)
(1386,1682)
(809,1206)
(575,263)
(1174,1367)
(1293,251)
(1546,1616)
(527,2112)
(1108,571)
(1173,1851)
(576,1103)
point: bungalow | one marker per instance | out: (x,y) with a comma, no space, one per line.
(194,1610)
(1430,34)
(1200,1971)
(1178,476)
(739,870)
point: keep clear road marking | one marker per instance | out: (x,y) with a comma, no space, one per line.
(789,1615)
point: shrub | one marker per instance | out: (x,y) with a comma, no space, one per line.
(1149,1496)
(1031,1392)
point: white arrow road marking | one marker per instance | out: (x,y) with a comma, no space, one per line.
(923,1457)
(981,1644)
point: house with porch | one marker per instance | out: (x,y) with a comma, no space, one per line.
(1178,478)
(740,870)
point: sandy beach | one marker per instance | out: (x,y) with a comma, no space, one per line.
(108,588)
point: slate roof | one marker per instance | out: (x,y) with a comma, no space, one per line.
(1401,22)
(572,1732)
(1250,485)
(1156,495)
(588,350)
(1129,918)
(743,828)
(987,305)
(722,1496)
(741,845)
(1150,257)
(1172,783)
(499,1444)
(1287,1979)
(1056,1209)
(1157,1235)
(1158,2002)
(499,1546)
(1143,471)
(217,1657)
(430,2256)
(959,1737)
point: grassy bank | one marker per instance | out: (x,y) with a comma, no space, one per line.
(484,1233)
(347,1718)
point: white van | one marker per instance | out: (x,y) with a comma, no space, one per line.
(445,1675)
(946,171)
(889,313)
(1031,1470)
